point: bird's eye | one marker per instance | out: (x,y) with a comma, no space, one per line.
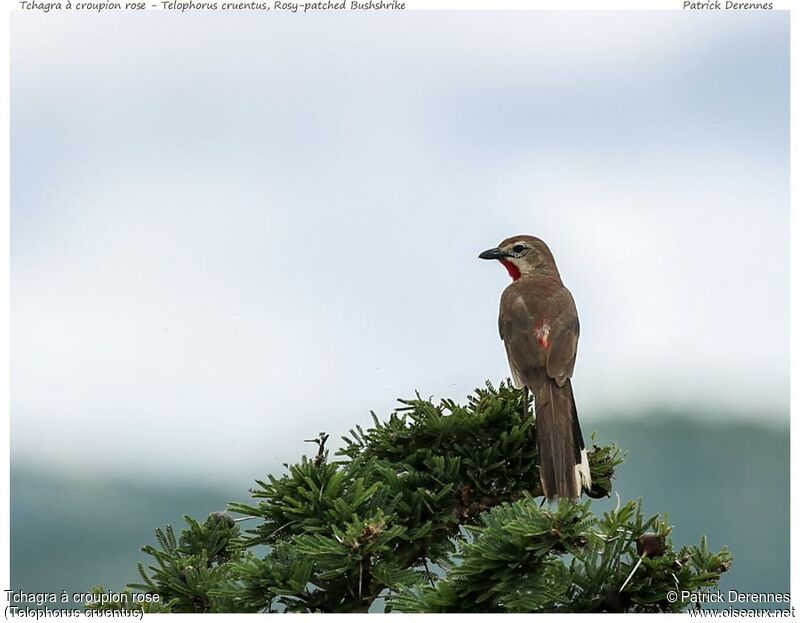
(518,248)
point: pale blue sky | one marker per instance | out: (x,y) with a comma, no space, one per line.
(232,231)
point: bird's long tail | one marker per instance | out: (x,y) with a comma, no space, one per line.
(563,464)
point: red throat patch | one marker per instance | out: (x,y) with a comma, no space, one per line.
(512,269)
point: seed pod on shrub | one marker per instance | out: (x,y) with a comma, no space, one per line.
(221,517)
(650,545)
(598,491)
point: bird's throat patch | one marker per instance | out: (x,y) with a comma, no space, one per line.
(512,269)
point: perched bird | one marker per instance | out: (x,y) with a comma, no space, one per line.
(539,327)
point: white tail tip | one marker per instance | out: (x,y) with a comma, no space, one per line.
(582,474)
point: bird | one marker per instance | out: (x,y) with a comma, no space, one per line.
(539,327)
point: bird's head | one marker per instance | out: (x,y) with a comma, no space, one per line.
(523,256)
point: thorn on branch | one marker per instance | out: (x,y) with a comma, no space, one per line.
(320,441)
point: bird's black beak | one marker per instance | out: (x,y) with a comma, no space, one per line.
(493,254)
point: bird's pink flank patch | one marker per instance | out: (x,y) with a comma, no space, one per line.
(542,332)
(512,269)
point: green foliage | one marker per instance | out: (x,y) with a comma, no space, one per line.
(435,510)
(525,558)
(188,568)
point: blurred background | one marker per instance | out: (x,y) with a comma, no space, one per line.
(232,231)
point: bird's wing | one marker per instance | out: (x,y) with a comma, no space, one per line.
(517,330)
(564,332)
(539,332)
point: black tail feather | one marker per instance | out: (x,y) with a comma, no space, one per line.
(559,440)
